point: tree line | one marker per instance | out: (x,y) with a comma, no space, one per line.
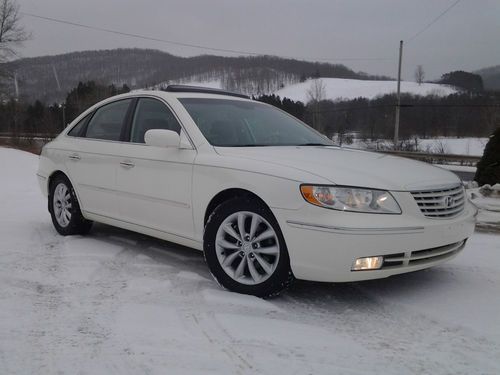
(28,120)
(457,115)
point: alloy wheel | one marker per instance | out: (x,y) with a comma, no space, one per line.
(62,205)
(247,247)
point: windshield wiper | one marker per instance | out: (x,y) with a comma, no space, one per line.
(245,145)
(314,144)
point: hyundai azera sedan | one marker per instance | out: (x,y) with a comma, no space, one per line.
(264,196)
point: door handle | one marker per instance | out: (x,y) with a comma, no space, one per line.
(127,164)
(74,157)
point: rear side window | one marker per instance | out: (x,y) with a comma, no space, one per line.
(108,121)
(79,127)
(152,114)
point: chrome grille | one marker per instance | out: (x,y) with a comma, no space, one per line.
(441,203)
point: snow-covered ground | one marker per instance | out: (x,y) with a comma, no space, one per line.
(335,88)
(462,146)
(339,88)
(116,302)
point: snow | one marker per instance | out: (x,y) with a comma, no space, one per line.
(116,302)
(457,168)
(487,200)
(339,88)
(461,146)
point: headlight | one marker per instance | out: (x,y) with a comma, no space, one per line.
(351,199)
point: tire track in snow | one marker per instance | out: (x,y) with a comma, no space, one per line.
(206,324)
(394,331)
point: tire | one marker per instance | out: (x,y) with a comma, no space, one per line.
(258,264)
(64,208)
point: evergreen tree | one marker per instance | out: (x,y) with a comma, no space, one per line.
(488,168)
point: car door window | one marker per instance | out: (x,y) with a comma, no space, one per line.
(108,121)
(152,114)
(77,130)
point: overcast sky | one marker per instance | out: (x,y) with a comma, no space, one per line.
(466,38)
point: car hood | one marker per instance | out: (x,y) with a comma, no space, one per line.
(345,166)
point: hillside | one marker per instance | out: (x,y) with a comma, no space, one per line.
(336,88)
(142,68)
(491,77)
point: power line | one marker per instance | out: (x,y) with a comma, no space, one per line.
(414,36)
(197,46)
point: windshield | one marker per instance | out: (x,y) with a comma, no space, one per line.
(236,123)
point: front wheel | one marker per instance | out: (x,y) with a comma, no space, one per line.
(245,249)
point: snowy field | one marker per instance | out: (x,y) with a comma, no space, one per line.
(339,88)
(116,302)
(336,88)
(473,146)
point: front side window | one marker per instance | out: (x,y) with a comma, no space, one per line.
(237,123)
(152,114)
(108,121)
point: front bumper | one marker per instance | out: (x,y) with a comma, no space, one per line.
(323,244)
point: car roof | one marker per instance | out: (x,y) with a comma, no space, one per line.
(203,90)
(187,92)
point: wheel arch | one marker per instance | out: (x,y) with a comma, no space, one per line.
(53,175)
(228,194)
(51,178)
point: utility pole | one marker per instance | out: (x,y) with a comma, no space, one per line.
(398,105)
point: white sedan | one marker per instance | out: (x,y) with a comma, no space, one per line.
(264,196)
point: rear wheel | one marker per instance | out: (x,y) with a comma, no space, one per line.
(64,208)
(245,250)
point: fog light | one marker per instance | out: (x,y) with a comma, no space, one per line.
(369,263)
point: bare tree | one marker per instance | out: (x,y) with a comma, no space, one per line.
(315,94)
(317,91)
(419,74)
(12,33)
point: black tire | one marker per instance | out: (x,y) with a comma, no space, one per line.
(282,276)
(77,224)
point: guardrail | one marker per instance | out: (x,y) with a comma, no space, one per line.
(435,158)
(28,136)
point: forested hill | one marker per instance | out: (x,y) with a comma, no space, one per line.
(139,68)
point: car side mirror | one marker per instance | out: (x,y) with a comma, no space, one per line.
(162,138)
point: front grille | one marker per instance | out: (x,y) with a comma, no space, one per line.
(441,203)
(419,257)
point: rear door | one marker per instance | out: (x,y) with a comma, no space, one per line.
(95,157)
(154,183)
